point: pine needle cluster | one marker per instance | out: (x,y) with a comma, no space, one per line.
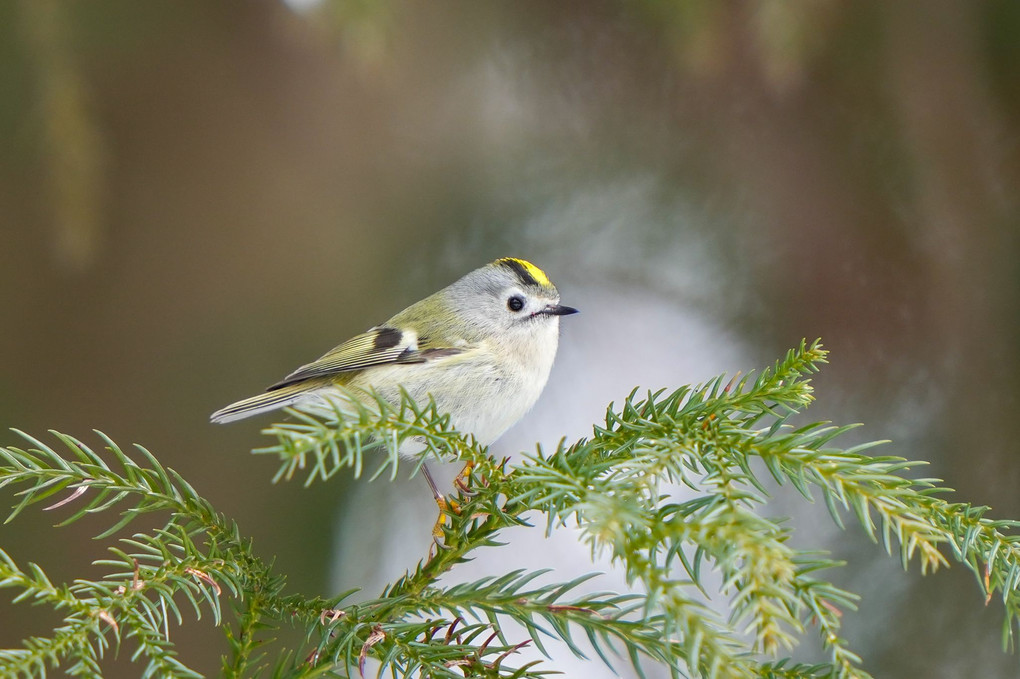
(726,441)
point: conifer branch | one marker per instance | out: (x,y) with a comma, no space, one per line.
(718,442)
(196,556)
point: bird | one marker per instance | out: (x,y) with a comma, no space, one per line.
(481,348)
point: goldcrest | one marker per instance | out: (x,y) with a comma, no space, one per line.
(482,348)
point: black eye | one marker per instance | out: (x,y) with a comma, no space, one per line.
(515,303)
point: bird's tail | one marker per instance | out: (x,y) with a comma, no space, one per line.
(271,400)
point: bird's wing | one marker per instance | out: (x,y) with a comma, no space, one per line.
(378,346)
(382,345)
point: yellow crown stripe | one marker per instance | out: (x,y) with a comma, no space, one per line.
(532,270)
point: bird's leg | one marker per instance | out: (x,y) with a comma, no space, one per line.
(445,506)
(463,479)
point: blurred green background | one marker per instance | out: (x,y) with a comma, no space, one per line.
(197,197)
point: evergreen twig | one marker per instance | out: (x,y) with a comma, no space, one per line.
(721,441)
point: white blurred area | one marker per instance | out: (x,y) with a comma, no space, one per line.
(302,5)
(623,338)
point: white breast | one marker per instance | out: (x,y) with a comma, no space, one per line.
(486,390)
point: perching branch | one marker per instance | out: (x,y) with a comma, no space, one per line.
(720,442)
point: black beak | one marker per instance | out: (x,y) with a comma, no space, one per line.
(557,310)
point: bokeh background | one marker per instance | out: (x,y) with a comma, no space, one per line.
(197,197)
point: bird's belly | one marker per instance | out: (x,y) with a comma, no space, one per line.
(482,400)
